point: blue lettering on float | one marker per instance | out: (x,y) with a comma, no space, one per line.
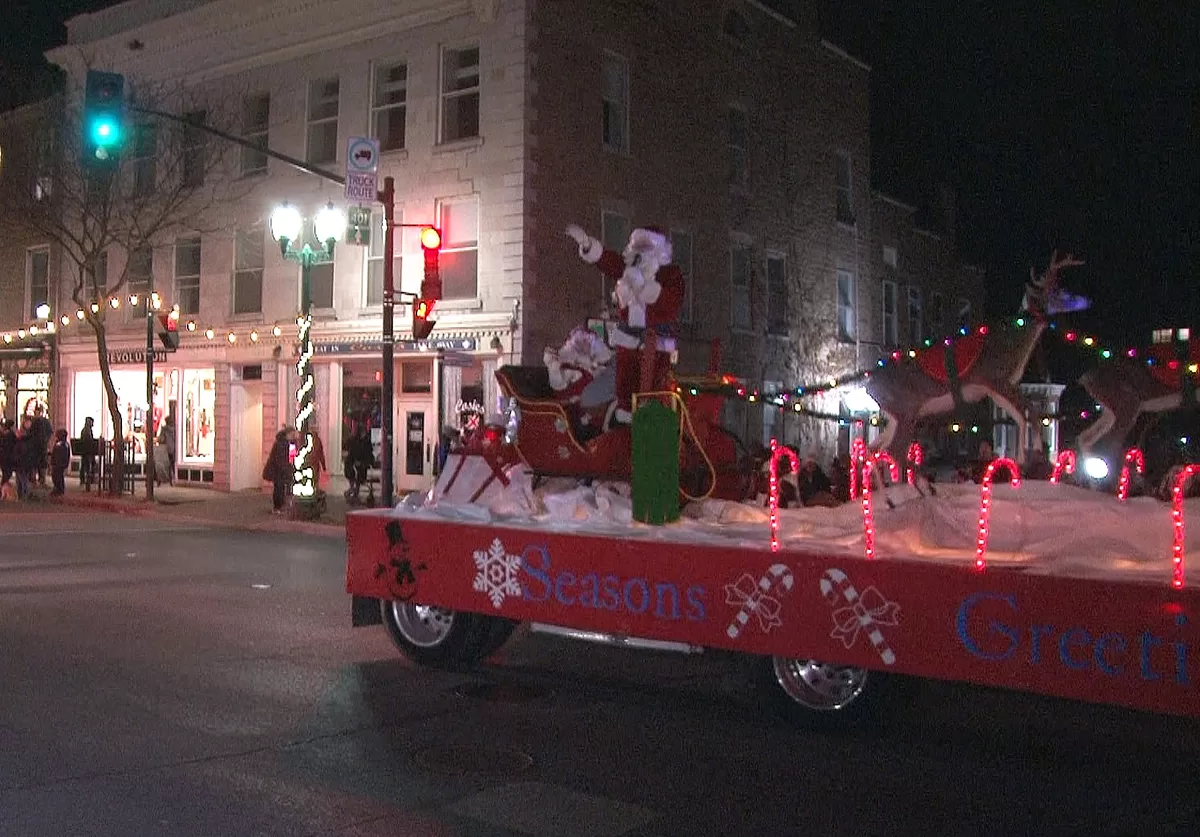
(998,638)
(634,595)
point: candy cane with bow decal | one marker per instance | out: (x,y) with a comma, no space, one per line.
(759,598)
(866,612)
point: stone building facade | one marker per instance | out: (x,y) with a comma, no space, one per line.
(735,127)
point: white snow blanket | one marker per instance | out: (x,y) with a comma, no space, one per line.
(1041,527)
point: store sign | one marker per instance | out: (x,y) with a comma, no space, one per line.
(465,344)
(133,357)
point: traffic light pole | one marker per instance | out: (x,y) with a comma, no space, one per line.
(148,422)
(387,395)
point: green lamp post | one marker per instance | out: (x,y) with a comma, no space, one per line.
(286,227)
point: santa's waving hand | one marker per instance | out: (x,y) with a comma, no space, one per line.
(649,295)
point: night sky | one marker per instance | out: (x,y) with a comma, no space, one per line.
(1076,127)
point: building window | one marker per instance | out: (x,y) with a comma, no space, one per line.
(845,189)
(460,93)
(937,311)
(738,142)
(890,257)
(777,296)
(144,169)
(323,120)
(891,315)
(193,149)
(187,274)
(389,106)
(739,284)
(459,221)
(256,128)
(681,248)
(247,271)
(847,312)
(320,285)
(916,317)
(964,311)
(614,81)
(139,273)
(37,276)
(374,290)
(614,231)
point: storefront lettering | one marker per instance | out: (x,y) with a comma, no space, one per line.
(633,595)
(998,638)
(130,357)
(372,347)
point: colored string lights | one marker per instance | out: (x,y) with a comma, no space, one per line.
(1064,462)
(777,453)
(985,506)
(1185,473)
(1132,456)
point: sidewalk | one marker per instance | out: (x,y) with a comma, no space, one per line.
(248,510)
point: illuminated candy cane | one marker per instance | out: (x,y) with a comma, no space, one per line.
(915,456)
(1135,456)
(761,599)
(858,454)
(893,469)
(985,505)
(868,514)
(1185,473)
(1065,462)
(777,453)
(866,613)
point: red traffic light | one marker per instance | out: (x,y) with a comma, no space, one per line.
(169,322)
(431,238)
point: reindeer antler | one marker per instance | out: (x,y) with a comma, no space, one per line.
(1050,277)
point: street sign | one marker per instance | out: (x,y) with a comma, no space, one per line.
(362,167)
(358,226)
(457,359)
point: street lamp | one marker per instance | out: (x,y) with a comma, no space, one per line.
(286,227)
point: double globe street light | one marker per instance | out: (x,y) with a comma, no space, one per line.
(287,224)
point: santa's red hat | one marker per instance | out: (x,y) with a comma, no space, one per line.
(653,241)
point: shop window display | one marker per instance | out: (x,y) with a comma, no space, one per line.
(198,409)
(33,390)
(88,401)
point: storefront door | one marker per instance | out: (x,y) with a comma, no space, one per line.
(245,435)
(416,445)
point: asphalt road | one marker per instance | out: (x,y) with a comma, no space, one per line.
(157,679)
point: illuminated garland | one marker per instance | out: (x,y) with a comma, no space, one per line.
(304,487)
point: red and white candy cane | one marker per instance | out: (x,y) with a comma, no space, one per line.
(1064,462)
(868,514)
(914,457)
(985,505)
(883,457)
(777,453)
(761,599)
(858,455)
(1134,456)
(1181,478)
(837,589)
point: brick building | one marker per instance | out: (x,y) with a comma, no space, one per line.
(734,126)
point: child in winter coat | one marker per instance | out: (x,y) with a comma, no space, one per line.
(60,460)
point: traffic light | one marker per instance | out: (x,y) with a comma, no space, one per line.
(168,331)
(103,120)
(422,324)
(431,246)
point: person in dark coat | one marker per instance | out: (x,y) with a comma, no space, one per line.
(278,471)
(359,457)
(43,432)
(8,444)
(60,460)
(88,448)
(28,452)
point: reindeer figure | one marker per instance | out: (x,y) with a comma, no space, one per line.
(985,363)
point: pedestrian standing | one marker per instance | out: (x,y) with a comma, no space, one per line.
(27,453)
(166,440)
(278,470)
(8,443)
(87,453)
(43,433)
(60,460)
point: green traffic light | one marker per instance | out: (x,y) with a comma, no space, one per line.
(106,132)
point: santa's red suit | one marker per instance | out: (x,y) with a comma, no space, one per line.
(649,295)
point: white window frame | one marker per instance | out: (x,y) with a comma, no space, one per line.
(739,289)
(778,323)
(448,246)
(445,95)
(378,109)
(916,316)
(847,306)
(688,312)
(255,162)
(739,154)
(891,314)
(844,188)
(405,243)
(891,256)
(189,280)
(240,271)
(618,144)
(31,303)
(311,123)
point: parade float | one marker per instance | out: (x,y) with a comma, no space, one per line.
(609,505)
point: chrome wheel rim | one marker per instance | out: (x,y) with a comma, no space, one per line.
(819,686)
(422,625)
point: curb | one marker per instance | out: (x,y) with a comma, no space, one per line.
(142,508)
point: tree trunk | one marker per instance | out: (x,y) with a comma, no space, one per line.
(116,474)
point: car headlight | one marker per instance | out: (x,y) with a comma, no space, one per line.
(1095,468)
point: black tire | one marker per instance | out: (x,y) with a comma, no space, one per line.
(431,636)
(830,697)
(490,634)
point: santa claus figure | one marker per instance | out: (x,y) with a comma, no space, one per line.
(649,296)
(582,380)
